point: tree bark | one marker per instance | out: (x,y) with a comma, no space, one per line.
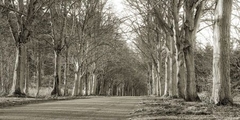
(94,77)
(191,24)
(56,88)
(27,75)
(65,89)
(174,70)
(16,90)
(153,80)
(168,67)
(76,81)
(39,77)
(221,92)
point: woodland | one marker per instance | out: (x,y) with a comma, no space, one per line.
(79,48)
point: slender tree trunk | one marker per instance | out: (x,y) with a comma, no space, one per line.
(153,80)
(56,88)
(159,66)
(168,67)
(94,77)
(174,70)
(80,82)
(65,89)
(27,77)
(149,81)
(221,92)
(76,80)
(170,72)
(1,73)
(39,77)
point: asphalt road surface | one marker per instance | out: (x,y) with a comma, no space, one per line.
(102,108)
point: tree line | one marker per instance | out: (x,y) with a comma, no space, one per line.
(73,47)
(166,38)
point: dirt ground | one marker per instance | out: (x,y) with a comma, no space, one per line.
(96,108)
(178,109)
(145,107)
(18,101)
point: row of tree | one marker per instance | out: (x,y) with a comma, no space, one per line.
(168,29)
(68,45)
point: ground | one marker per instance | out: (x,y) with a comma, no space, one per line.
(114,108)
(178,109)
(92,108)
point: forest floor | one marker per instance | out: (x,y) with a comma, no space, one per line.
(178,109)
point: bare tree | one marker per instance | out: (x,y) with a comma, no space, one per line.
(221,92)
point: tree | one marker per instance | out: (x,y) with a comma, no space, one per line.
(20,19)
(221,92)
(191,24)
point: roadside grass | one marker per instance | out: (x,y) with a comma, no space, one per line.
(44,96)
(178,109)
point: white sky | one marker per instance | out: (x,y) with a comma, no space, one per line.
(118,6)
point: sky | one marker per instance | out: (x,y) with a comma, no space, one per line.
(118,6)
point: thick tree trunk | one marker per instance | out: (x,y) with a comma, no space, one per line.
(22,68)
(16,89)
(190,27)
(181,74)
(221,92)
(56,88)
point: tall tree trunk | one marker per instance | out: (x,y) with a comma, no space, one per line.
(153,80)
(221,92)
(80,82)
(149,80)
(94,77)
(179,57)
(168,67)
(174,70)
(22,68)
(76,81)
(27,73)
(181,74)
(1,72)
(159,66)
(39,77)
(65,89)
(16,90)
(56,88)
(191,24)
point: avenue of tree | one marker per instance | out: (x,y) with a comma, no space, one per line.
(76,48)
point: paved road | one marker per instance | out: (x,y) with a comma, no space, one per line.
(113,108)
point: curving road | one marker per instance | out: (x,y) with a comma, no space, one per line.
(101,108)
